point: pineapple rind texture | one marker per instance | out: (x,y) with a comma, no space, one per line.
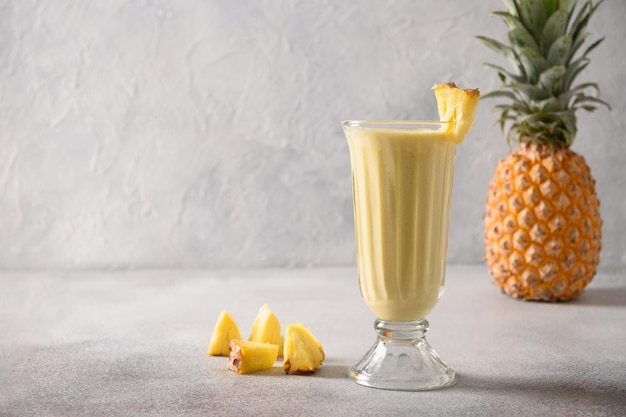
(543,227)
(225,330)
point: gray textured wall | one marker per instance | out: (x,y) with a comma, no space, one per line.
(206,133)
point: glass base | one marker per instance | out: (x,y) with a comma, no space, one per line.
(402,359)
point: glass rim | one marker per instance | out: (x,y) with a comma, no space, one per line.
(398,124)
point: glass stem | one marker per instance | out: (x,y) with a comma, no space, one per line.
(402,359)
(395,331)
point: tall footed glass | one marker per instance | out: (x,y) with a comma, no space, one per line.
(402,183)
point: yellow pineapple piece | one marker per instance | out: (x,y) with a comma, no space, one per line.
(266,329)
(458,107)
(246,356)
(225,330)
(302,352)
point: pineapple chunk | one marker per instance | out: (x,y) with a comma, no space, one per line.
(458,107)
(302,352)
(225,330)
(246,356)
(266,329)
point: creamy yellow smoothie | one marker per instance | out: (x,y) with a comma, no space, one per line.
(402,182)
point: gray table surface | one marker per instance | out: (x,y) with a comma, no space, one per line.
(133,344)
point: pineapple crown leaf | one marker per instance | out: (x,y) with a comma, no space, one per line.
(550,79)
(511,20)
(502,49)
(520,38)
(582,19)
(545,40)
(582,98)
(504,74)
(592,47)
(528,92)
(555,27)
(532,14)
(575,92)
(500,93)
(532,64)
(559,52)
(573,70)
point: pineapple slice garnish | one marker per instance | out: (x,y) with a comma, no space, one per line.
(266,329)
(458,107)
(302,352)
(225,330)
(246,356)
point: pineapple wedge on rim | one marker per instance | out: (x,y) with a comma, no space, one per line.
(457,107)
(303,353)
(225,330)
(246,356)
(266,328)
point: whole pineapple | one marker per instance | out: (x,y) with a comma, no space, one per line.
(542,222)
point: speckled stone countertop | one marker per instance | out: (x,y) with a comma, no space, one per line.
(133,344)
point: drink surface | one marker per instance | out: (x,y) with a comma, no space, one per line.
(402,185)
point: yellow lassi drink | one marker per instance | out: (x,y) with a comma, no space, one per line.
(402,183)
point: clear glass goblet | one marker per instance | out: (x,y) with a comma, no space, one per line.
(402,176)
